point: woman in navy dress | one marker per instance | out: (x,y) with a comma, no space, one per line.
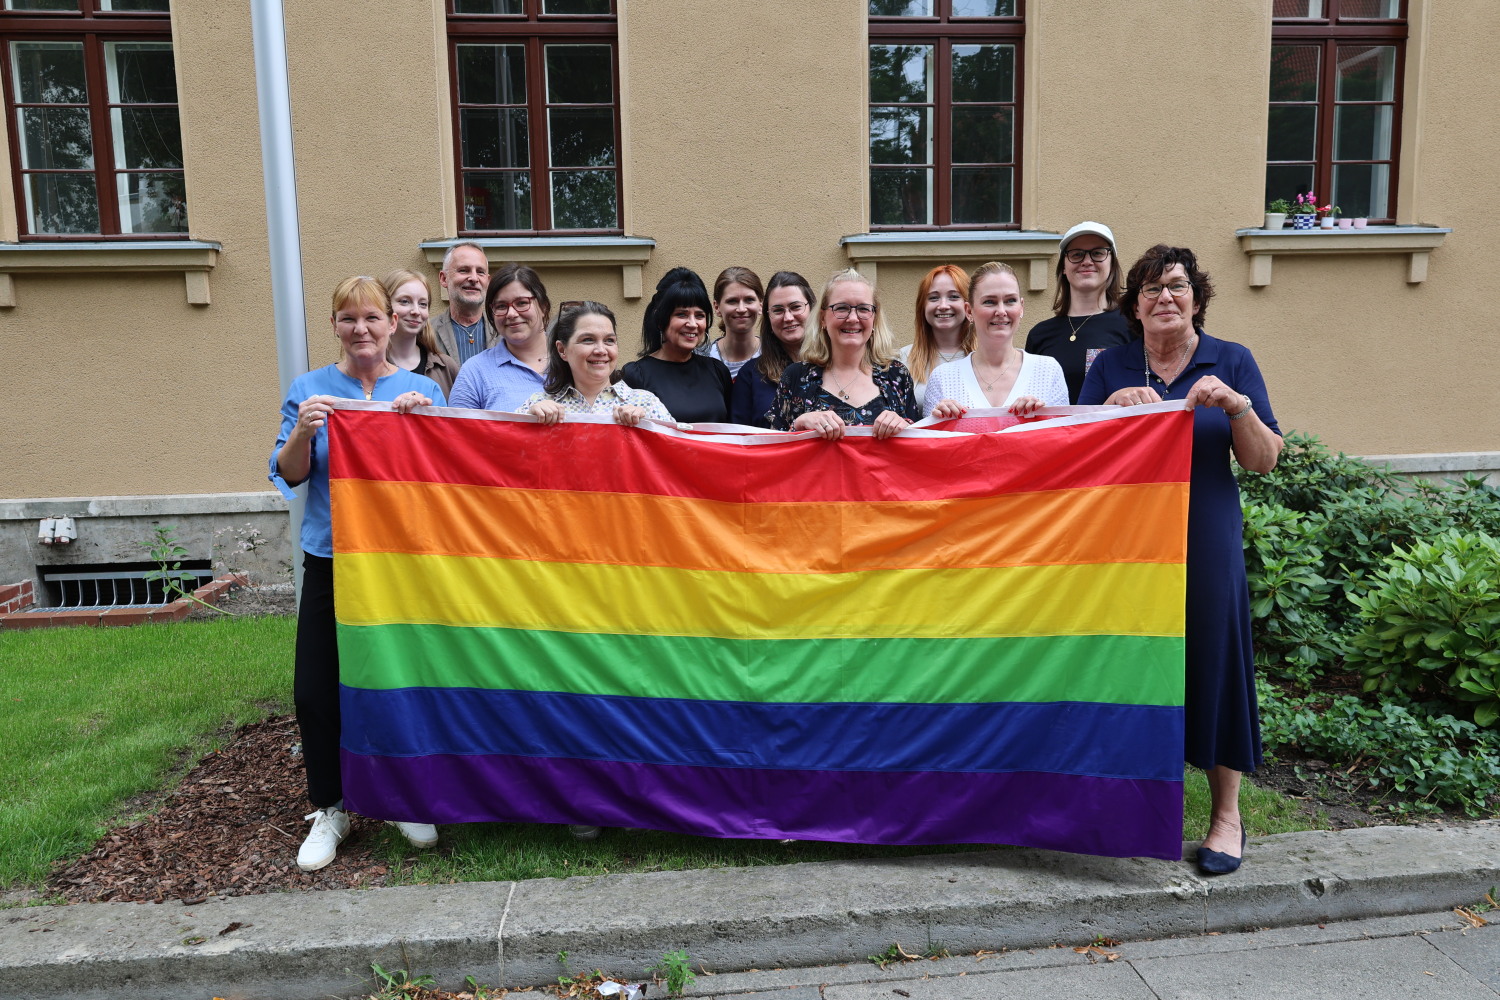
(1166,297)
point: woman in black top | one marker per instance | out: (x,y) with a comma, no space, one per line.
(1086,320)
(848,373)
(693,387)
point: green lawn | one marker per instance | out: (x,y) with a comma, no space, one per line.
(95,716)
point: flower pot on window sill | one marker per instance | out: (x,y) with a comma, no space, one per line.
(1326,222)
(1361,223)
(1346,223)
(1303,221)
(1275,220)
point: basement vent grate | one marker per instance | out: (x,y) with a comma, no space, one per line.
(101,587)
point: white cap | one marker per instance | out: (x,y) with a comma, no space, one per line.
(1085,228)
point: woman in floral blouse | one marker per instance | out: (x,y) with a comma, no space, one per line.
(581,375)
(848,373)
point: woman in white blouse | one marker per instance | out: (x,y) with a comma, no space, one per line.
(581,374)
(998,374)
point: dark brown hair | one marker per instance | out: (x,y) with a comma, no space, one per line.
(1062,300)
(528,278)
(559,374)
(1152,265)
(737,276)
(773,354)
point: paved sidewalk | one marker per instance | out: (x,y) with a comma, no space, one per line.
(320,944)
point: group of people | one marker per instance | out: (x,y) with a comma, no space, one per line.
(786,359)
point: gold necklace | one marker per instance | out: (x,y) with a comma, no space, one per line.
(1077,329)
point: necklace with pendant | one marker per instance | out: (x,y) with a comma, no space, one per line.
(1079,328)
(990,384)
(1182,356)
(843,389)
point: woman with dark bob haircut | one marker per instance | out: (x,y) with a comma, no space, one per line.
(501,377)
(1166,299)
(694,387)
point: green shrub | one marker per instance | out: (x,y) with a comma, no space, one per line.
(1289,596)
(1430,622)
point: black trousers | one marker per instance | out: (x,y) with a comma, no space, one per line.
(315,684)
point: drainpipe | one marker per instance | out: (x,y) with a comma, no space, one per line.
(268,25)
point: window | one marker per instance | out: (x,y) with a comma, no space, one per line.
(944,113)
(536,115)
(91,98)
(1335,119)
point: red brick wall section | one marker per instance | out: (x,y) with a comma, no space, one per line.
(16,596)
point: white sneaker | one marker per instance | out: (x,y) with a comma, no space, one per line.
(329,828)
(419,834)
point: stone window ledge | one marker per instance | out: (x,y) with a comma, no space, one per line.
(866,251)
(193,259)
(1263,245)
(629,252)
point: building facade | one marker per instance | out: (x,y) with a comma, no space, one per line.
(605,141)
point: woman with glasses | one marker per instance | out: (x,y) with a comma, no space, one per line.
(1166,298)
(783,325)
(944,324)
(998,373)
(848,373)
(504,376)
(1086,320)
(694,387)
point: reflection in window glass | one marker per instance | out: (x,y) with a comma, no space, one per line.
(583,199)
(58,204)
(580,74)
(1293,133)
(900,135)
(900,74)
(491,74)
(594,7)
(41,4)
(984,8)
(582,138)
(1294,72)
(140,72)
(1288,180)
(152,203)
(901,8)
(1362,131)
(160,6)
(1366,73)
(1370,10)
(981,195)
(984,73)
(1296,8)
(982,134)
(494,137)
(1362,189)
(49,72)
(146,138)
(900,197)
(487,7)
(497,200)
(56,139)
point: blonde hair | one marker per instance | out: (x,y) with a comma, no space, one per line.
(880,349)
(992,267)
(924,351)
(425,337)
(361,290)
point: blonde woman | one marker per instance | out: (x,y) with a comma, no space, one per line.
(848,373)
(944,324)
(997,374)
(414,346)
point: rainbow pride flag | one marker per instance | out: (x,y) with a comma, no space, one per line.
(935,639)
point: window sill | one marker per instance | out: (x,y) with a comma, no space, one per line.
(1263,245)
(866,251)
(629,252)
(193,259)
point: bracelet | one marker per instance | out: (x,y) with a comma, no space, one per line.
(1245,412)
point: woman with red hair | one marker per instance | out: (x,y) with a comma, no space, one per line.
(944,324)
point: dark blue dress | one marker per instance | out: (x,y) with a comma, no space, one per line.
(1223,725)
(752,396)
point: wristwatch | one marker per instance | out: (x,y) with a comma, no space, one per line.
(1246,411)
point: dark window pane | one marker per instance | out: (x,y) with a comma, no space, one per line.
(981,195)
(575,7)
(62,203)
(140,72)
(1293,133)
(161,6)
(984,8)
(49,72)
(982,134)
(494,137)
(487,7)
(900,135)
(497,201)
(491,74)
(984,72)
(900,8)
(1362,131)
(1366,73)
(1384,10)
(41,4)
(580,74)
(583,138)
(152,203)
(56,139)
(1294,72)
(900,197)
(1288,181)
(584,199)
(900,74)
(146,138)
(1297,8)
(1362,189)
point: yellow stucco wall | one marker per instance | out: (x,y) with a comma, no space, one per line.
(749,147)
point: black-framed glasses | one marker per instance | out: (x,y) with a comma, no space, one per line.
(841,309)
(1098,255)
(1177,288)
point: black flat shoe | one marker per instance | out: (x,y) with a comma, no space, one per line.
(1219,863)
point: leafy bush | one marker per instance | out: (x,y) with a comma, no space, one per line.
(1430,622)
(1433,760)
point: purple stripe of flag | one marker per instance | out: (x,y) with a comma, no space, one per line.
(1113,817)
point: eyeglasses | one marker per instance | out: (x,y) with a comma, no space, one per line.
(791,307)
(1177,288)
(1098,255)
(520,304)
(841,309)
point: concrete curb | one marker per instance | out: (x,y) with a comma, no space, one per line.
(318,944)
